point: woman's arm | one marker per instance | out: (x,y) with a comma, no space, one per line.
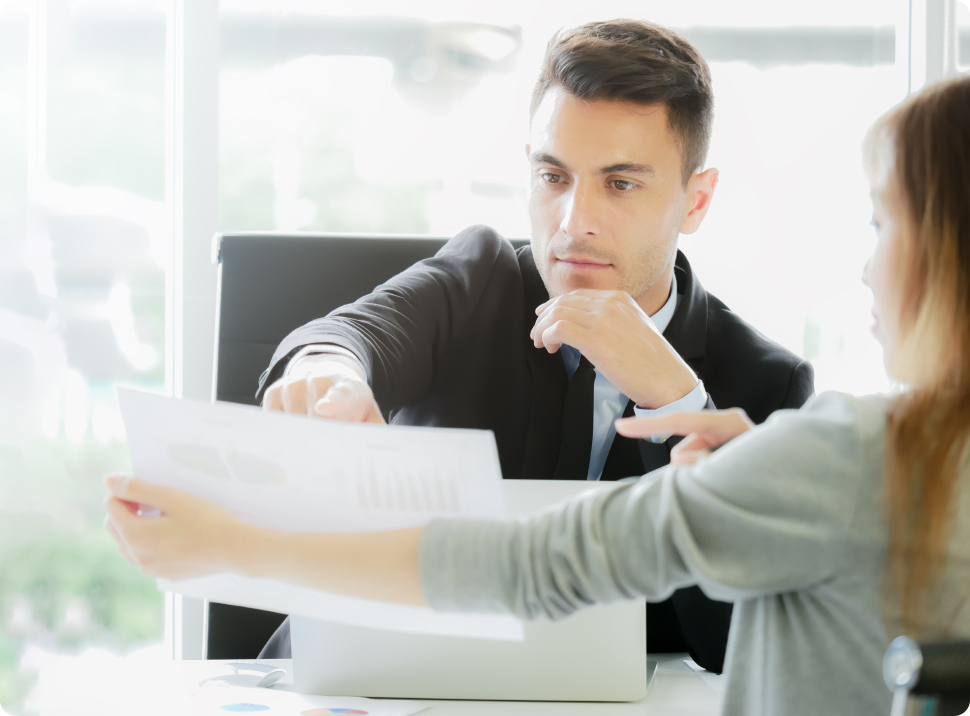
(193,537)
(767,515)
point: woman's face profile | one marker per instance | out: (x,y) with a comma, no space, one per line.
(883,271)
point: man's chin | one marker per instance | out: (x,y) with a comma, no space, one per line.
(569,281)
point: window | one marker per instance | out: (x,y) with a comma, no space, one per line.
(413,120)
(83,260)
(963,35)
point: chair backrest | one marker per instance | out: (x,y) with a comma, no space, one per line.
(938,670)
(270,284)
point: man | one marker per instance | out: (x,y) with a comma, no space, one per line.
(599,318)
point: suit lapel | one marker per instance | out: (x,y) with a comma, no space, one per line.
(549,383)
(687,330)
(654,455)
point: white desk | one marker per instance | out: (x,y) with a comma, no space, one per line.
(676,691)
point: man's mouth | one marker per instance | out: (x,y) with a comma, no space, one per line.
(580,262)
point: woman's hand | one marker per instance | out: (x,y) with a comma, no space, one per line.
(706,430)
(188,538)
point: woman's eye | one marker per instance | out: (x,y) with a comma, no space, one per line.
(552,178)
(621,185)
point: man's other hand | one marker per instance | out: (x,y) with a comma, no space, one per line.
(325,386)
(620,340)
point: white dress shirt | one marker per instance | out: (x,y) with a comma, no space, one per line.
(609,403)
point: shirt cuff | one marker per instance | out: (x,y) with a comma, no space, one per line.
(692,402)
(323,349)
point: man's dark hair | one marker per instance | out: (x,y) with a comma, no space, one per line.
(639,62)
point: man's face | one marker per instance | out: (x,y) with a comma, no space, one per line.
(606,196)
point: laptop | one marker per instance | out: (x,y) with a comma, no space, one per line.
(597,654)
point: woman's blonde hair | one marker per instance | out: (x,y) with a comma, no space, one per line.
(926,144)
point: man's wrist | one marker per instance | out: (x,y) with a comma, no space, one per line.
(330,363)
(665,395)
(695,400)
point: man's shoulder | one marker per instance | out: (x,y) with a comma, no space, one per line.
(476,263)
(750,370)
(480,244)
(726,330)
(474,255)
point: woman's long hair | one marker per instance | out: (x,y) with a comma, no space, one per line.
(926,144)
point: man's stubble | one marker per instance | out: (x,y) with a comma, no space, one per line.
(638,275)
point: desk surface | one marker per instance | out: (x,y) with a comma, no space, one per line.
(676,691)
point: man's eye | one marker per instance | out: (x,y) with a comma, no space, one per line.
(621,185)
(552,178)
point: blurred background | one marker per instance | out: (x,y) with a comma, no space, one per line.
(384,116)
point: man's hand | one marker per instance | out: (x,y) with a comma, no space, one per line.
(324,386)
(705,431)
(187,536)
(620,340)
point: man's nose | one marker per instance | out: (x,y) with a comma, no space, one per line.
(583,213)
(865,273)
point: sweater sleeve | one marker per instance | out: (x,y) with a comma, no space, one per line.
(766,514)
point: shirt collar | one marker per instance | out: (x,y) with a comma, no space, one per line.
(661,319)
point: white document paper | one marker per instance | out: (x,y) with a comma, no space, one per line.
(291,473)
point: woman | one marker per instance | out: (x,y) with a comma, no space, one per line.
(833,528)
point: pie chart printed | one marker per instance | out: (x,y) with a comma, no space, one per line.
(324,712)
(245,708)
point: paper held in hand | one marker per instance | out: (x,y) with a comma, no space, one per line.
(290,473)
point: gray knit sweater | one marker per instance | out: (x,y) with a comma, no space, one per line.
(786,521)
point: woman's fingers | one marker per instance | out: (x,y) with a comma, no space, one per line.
(673,424)
(123,547)
(119,511)
(691,443)
(140,493)
(690,450)
(713,427)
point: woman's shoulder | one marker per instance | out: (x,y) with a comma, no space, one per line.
(844,427)
(833,406)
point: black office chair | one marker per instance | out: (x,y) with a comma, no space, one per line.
(936,672)
(270,284)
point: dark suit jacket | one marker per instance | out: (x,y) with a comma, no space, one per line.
(446,343)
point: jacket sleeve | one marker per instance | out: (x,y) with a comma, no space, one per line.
(402,330)
(801,387)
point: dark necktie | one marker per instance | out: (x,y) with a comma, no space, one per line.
(577,425)
(624,459)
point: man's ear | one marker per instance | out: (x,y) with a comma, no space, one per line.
(700,193)
(528,151)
